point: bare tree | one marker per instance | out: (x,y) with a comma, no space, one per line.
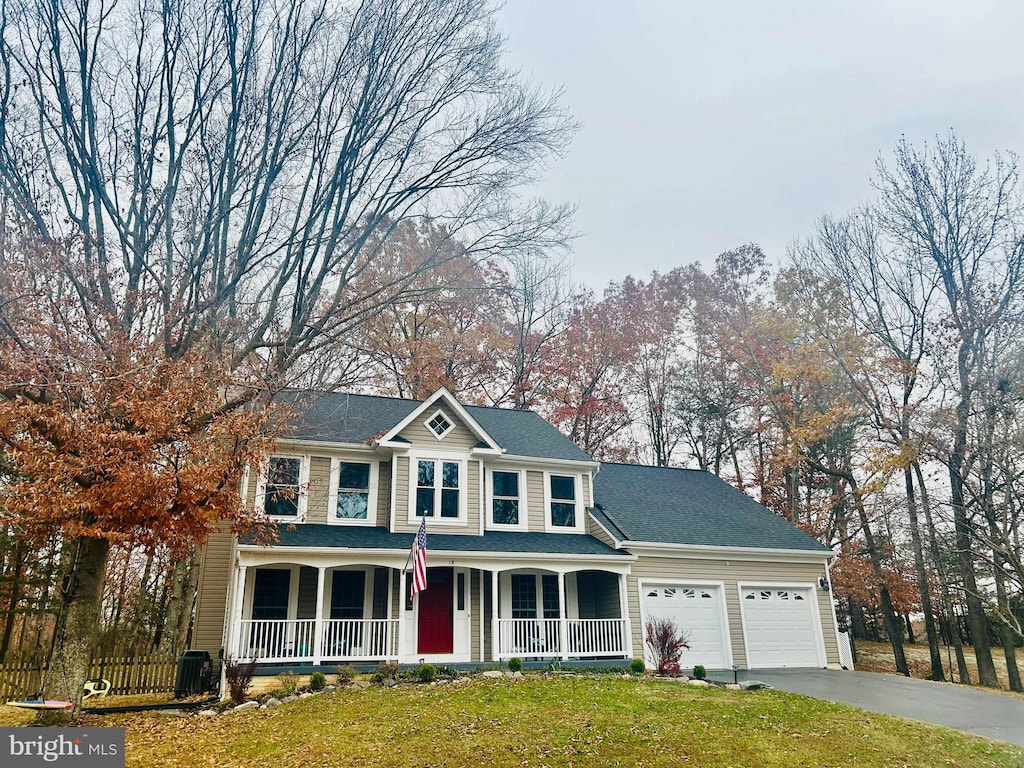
(221,176)
(938,204)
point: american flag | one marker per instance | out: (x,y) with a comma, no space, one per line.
(419,559)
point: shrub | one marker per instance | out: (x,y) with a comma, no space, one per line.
(426,673)
(637,667)
(388,670)
(515,665)
(554,665)
(346,673)
(289,683)
(699,672)
(317,681)
(666,643)
(239,676)
(447,672)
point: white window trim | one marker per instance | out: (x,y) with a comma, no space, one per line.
(303,500)
(523,524)
(367,590)
(436,519)
(581,522)
(446,417)
(371,501)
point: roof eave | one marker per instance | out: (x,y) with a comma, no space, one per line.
(707,551)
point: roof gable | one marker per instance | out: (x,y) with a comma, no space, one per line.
(665,505)
(444,400)
(339,417)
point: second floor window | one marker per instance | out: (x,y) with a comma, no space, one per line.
(353,491)
(505,504)
(281,498)
(437,488)
(563,501)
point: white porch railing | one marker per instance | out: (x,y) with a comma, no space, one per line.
(350,639)
(528,637)
(276,639)
(596,637)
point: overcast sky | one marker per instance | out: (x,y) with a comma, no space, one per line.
(706,125)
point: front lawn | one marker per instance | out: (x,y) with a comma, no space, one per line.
(565,721)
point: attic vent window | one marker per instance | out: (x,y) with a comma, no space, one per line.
(439,425)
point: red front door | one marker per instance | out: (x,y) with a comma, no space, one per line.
(435,613)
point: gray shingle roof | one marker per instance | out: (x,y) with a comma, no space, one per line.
(360,537)
(348,418)
(685,506)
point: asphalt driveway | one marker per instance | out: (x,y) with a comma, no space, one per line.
(974,710)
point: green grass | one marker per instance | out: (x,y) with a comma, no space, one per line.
(566,721)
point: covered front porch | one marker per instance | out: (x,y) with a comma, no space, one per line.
(316,611)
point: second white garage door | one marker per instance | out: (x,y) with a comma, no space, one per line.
(697,611)
(780,627)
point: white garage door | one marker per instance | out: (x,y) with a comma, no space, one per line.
(697,611)
(779,627)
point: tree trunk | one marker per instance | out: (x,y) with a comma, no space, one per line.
(184,576)
(976,619)
(934,654)
(952,626)
(18,563)
(910,628)
(77,629)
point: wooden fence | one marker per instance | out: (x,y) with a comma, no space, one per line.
(127,674)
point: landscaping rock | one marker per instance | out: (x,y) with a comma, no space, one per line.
(305,695)
(207,713)
(517,673)
(698,683)
(246,705)
(754,685)
(289,699)
(389,683)
(272,702)
(733,686)
(361,684)
(330,688)
(493,673)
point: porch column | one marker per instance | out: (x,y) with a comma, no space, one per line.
(494,616)
(318,625)
(236,619)
(563,627)
(627,628)
(401,616)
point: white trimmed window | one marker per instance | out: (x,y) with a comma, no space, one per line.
(353,497)
(281,490)
(563,502)
(507,499)
(437,489)
(439,424)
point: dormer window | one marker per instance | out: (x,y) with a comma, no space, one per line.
(439,424)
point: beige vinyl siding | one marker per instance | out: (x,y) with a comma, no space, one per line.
(598,532)
(732,573)
(474,615)
(250,489)
(384,494)
(212,599)
(472,491)
(380,593)
(306,608)
(319,490)
(420,436)
(535,511)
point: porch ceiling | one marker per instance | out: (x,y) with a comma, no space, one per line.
(314,535)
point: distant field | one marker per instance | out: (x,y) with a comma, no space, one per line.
(877,657)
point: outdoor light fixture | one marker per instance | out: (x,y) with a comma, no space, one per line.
(823,583)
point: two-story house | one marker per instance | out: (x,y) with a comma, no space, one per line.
(535,550)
